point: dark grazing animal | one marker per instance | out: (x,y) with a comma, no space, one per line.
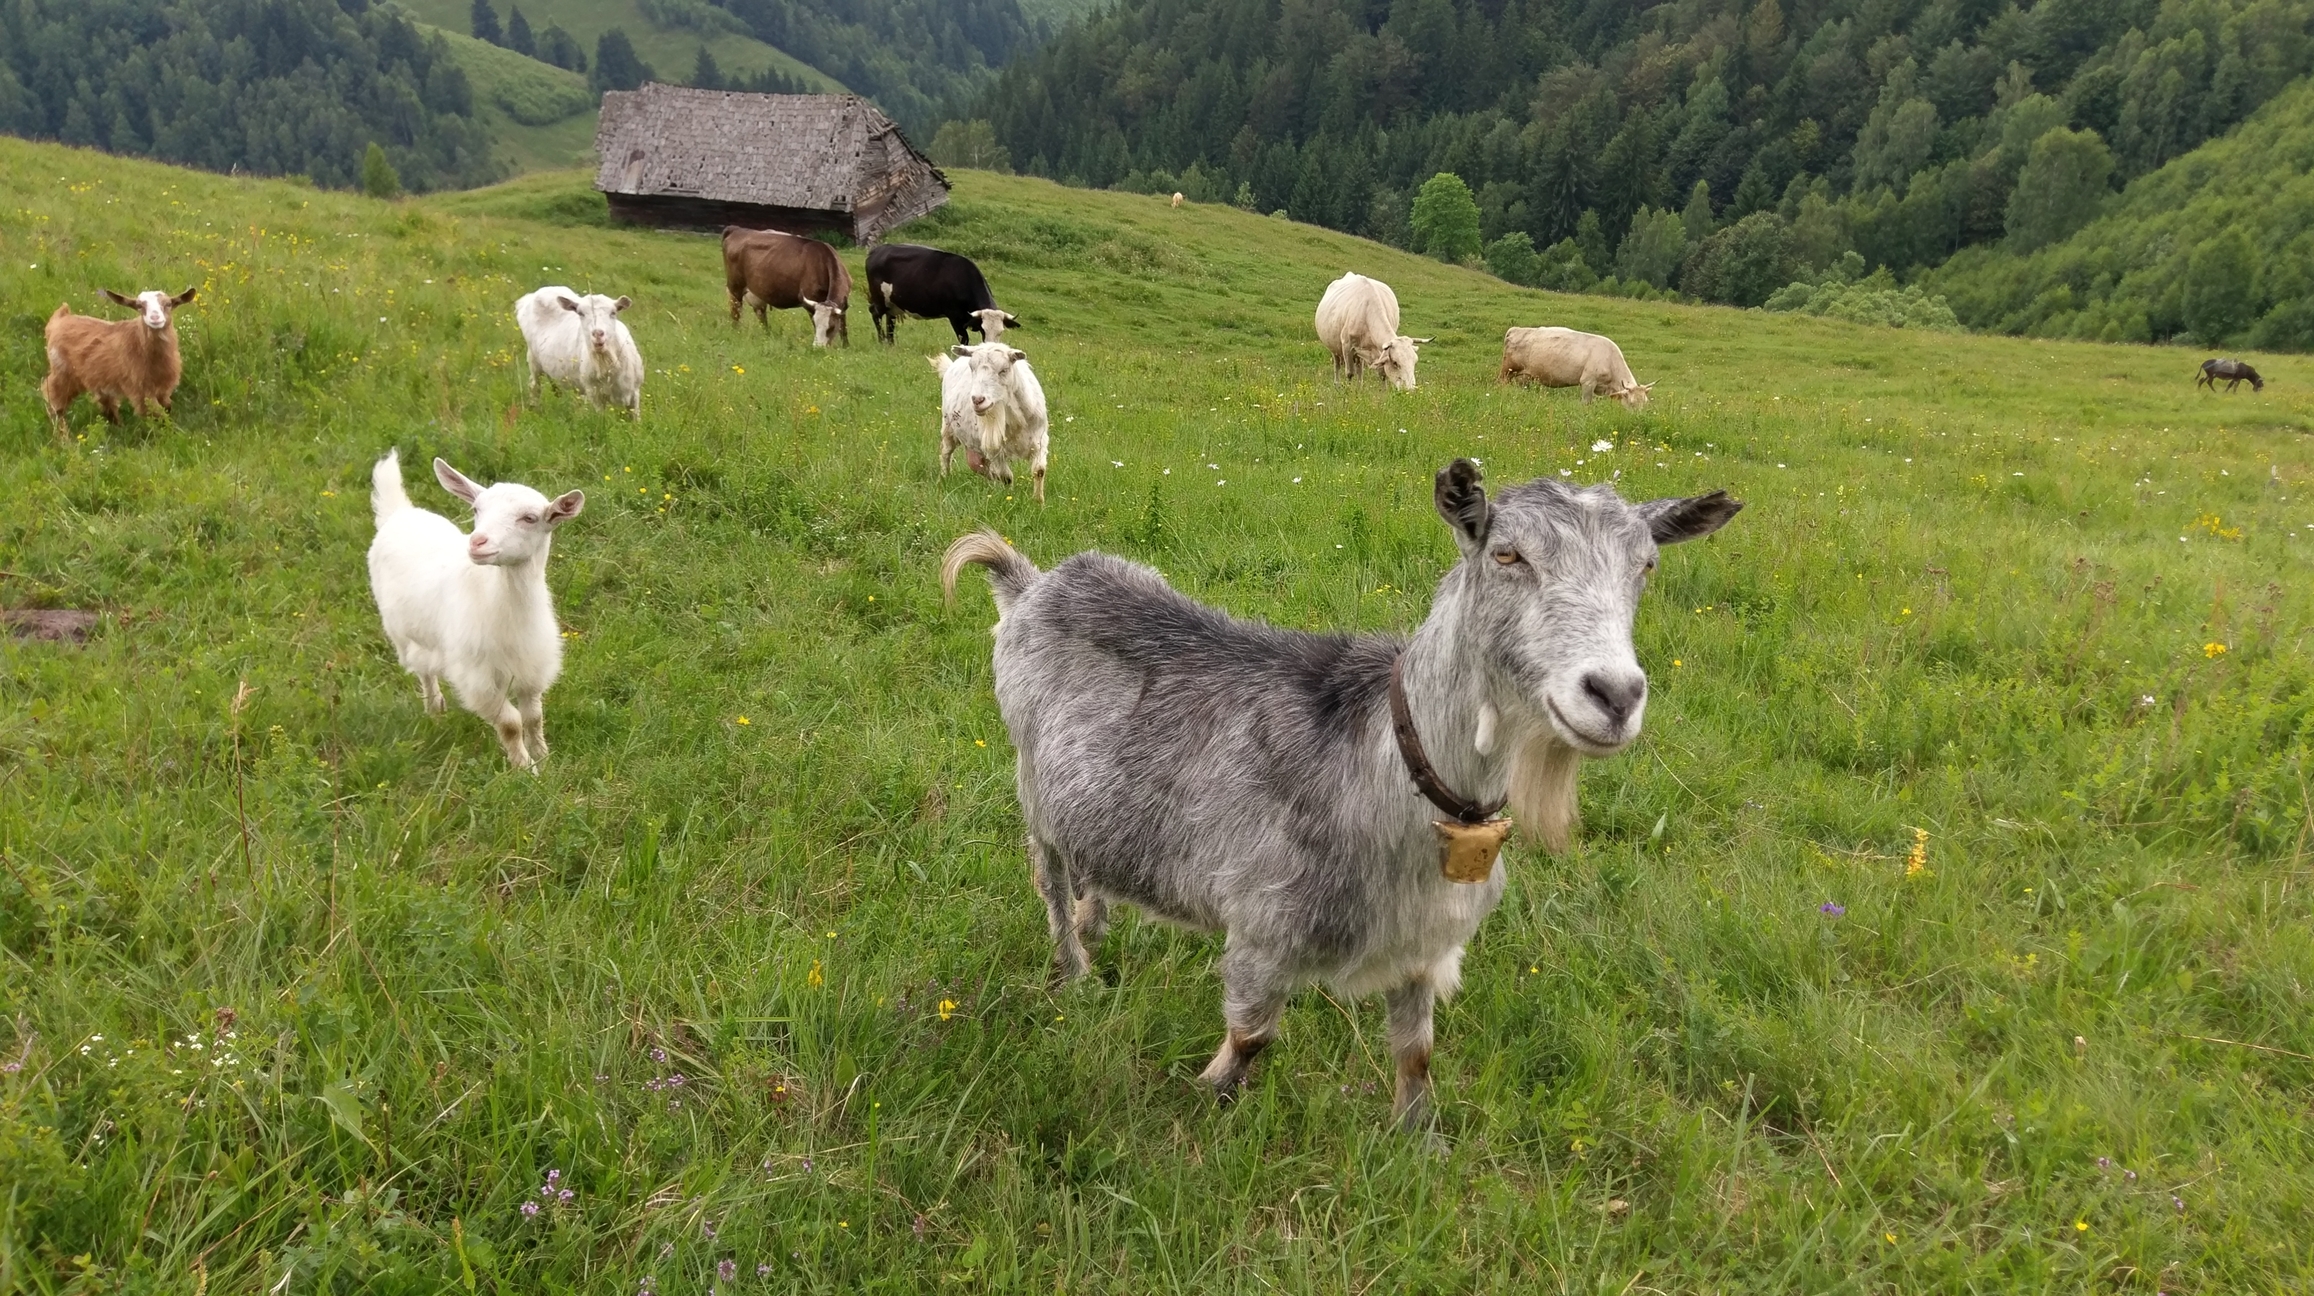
(910,279)
(769,270)
(1228,775)
(2233,373)
(132,361)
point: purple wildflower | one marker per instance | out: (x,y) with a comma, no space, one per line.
(807,1165)
(564,1196)
(2178,1202)
(1831,909)
(553,1177)
(763,1270)
(2105,1163)
(708,1227)
(530,1210)
(726,1269)
(658,1055)
(918,1228)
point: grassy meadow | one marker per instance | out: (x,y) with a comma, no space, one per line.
(1947,931)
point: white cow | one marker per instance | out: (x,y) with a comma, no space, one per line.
(993,406)
(1562,357)
(579,342)
(1358,322)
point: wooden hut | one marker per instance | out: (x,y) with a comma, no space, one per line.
(702,159)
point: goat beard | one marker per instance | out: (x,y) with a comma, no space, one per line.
(1542,789)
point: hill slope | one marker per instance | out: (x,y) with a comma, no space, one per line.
(1948,931)
(2217,246)
(671,51)
(1907,125)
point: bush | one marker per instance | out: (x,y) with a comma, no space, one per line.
(1742,264)
(1875,300)
(379,179)
(1513,259)
(1652,248)
(973,144)
(1564,269)
(1446,218)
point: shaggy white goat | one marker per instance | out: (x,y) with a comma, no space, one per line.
(472,609)
(579,342)
(992,405)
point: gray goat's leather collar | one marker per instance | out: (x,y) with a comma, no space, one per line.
(1418,765)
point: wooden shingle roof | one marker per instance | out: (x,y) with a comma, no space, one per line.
(832,154)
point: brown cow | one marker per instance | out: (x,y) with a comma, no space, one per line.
(769,269)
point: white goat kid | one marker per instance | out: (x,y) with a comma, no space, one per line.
(579,342)
(472,609)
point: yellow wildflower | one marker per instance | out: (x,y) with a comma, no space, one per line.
(947,1009)
(742,720)
(2213,650)
(813,977)
(1917,862)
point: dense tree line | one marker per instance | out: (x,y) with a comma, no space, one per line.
(276,87)
(920,60)
(554,46)
(1744,143)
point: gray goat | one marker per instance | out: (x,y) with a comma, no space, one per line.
(1228,775)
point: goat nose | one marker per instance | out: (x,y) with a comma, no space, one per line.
(1618,693)
(980,402)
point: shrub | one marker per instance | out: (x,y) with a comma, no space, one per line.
(1446,218)
(1513,258)
(1742,264)
(379,179)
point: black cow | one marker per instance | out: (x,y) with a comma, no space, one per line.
(2233,373)
(910,279)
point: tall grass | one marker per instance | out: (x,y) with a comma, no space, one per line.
(2004,662)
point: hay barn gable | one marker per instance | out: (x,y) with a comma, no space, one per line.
(704,159)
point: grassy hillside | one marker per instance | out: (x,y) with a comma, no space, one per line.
(2218,245)
(2005,662)
(539,117)
(671,52)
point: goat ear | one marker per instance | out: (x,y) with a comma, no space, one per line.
(1463,504)
(1674,520)
(960,351)
(567,304)
(455,481)
(621,304)
(183,297)
(116,299)
(565,507)
(1019,355)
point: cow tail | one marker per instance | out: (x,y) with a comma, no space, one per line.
(1009,573)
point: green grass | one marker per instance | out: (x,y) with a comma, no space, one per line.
(670,52)
(1964,564)
(541,117)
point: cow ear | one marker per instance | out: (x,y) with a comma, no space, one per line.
(455,481)
(1011,321)
(116,298)
(567,304)
(1462,502)
(183,297)
(621,304)
(1673,520)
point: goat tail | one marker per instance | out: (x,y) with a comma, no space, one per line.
(387,497)
(1009,574)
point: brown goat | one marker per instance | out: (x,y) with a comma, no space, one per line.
(133,360)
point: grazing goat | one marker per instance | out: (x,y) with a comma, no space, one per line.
(1358,321)
(472,609)
(992,405)
(1271,784)
(136,361)
(2233,373)
(579,342)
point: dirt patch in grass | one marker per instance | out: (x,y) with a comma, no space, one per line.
(58,625)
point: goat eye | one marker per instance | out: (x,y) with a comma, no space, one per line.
(1508,557)
(531,518)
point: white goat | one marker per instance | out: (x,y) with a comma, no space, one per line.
(472,609)
(579,342)
(993,406)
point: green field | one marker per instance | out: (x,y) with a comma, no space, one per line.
(305,991)
(670,51)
